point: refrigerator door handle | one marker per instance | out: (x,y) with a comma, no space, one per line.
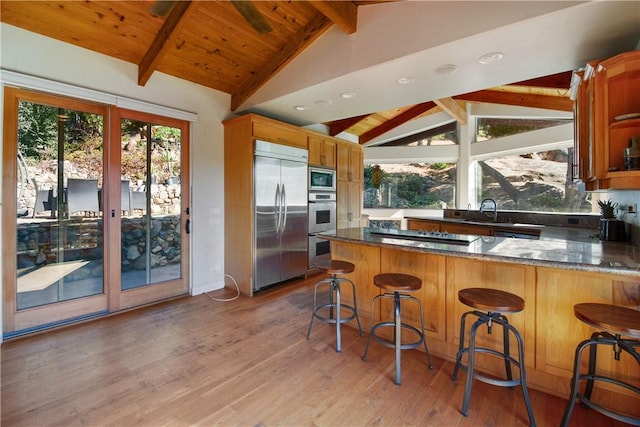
(277,208)
(284,205)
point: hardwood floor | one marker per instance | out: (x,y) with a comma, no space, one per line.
(196,361)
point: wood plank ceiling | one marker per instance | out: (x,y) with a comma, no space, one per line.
(237,46)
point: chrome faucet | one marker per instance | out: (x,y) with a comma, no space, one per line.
(494,209)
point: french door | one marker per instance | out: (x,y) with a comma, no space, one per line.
(93,213)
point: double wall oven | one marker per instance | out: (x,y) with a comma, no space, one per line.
(322,213)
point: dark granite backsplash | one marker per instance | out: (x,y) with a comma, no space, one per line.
(583,221)
(555,219)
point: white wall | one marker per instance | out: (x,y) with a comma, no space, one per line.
(35,55)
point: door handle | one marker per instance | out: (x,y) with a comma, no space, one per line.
(187,226)
(277,209)
(284,206)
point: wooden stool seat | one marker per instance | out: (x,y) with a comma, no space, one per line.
(614,323)
(397,282)
(336,267)
(612,318)
(491,300)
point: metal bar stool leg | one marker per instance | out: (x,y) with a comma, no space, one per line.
(461,349)
(355,305)
(523,375)
(397,334)
(424,336)
(470,366)
(575,381)
(373,306)
(336,286)
(505,340)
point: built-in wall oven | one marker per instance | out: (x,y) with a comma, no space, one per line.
(322,217)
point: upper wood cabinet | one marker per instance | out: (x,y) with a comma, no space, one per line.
(280,133)
(322,151)
(350,174)
(350,162)
(583,115)
(349,204)
(608,116)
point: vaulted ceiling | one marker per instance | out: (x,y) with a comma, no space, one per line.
(240,47)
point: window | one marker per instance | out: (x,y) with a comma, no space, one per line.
(532,182)
(410,185)
(489,128)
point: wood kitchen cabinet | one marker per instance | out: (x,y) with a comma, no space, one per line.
(367,262)
(431,270)
(617,85)
(456,228)
(350,162)
(583,120)
(559,331)
(423,225)
(280,133)
(349,204)
(350,173)
(322,151)
(608,115)
(239,136)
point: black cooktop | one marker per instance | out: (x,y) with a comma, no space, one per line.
(430,236)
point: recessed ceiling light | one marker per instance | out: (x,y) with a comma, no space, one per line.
(301,108)
(489,58)
(324,102)
(446,69)
(348,95)
(405,80)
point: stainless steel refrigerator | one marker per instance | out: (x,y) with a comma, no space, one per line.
(281,217)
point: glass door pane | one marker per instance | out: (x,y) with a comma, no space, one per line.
(59,225)
(151,203)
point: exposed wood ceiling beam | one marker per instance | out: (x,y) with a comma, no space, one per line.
(425,134)
(560,103)
(451,107)
(314,29)
(398,120)
(342,13)
(341,125)
(557,81)
(160,45)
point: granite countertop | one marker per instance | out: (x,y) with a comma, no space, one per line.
(556,250)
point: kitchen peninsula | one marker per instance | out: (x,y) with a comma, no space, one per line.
(551,275)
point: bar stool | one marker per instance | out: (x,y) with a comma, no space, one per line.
(494,303)
(614,321)
(397,283)
(335,306)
